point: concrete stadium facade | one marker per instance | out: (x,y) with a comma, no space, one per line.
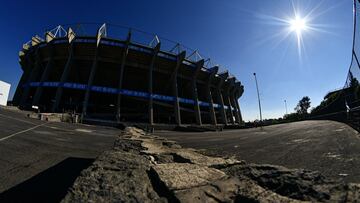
(100,77)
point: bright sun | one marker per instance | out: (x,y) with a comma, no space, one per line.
(298,25)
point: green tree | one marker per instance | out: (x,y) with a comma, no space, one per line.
(354,85)
(303,106)
(353,81)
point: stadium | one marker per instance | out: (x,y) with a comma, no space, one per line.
(119,74)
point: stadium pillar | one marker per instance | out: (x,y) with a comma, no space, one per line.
(221,100)
(230,105)
(197,111)
(237,116)
(211,106)
(239,111)
(64,76)
(180,59)
(44,77)
(150,90)
(210,99)
(122,67)
(33,75)
(24,78)
(89,84)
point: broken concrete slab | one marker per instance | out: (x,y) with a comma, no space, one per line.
(143,168)
(116,176)
(230,190)
(178,176)
(200,159)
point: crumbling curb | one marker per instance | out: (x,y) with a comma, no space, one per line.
(146,168)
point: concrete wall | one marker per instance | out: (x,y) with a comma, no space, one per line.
(4,92)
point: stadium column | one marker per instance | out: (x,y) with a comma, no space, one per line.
(150,90)
(210,99)
(220,98)
(64,76)
(33,75)
(197,110)
(173,78)
(24,78)
(238,106)
(44,76)
(230,105)
(122,68)
(90,82)
(232,97)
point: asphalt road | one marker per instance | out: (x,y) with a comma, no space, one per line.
(327,146)
(45,157)
(39,160)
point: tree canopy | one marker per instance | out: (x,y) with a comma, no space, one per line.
(303,105)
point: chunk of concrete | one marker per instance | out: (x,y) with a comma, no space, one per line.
(200,159)
(115,176)
(230,190)
(178,176)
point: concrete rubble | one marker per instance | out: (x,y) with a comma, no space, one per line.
(146,168)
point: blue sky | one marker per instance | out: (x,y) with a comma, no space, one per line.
(242,35)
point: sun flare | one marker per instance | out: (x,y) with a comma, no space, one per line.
(298,25)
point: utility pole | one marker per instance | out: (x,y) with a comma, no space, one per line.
(286,107)
(257,89)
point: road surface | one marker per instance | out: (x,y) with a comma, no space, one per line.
(327,146)
(40,160)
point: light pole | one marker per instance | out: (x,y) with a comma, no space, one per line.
(257,89)
(285,107)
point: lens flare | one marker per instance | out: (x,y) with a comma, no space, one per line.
(298,24)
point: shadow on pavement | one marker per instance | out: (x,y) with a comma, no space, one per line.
(50,185)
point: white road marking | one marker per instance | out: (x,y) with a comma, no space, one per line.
(9,117)
(12,135)
(17,119)
(332,155)
(83,130)
(299,141)
(44,132)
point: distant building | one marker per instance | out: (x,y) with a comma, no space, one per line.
(4,92)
